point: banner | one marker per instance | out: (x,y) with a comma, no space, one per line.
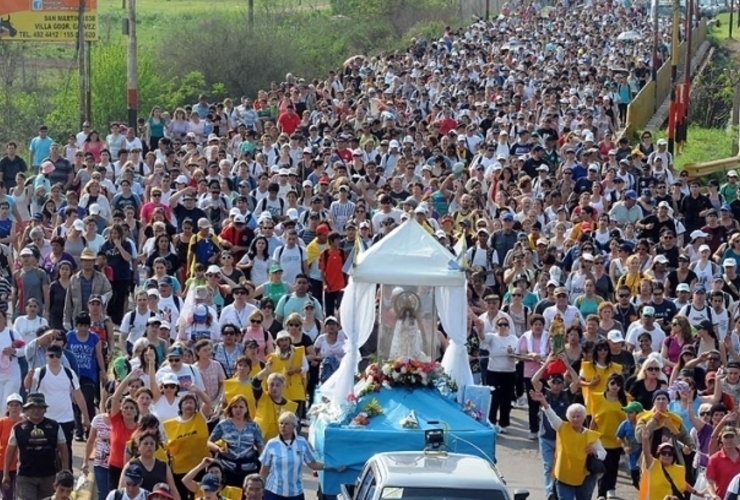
(46,20)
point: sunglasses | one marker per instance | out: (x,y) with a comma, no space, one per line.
(704,414)
(256,321)
(666,454)
(623,295)
(174,360)
(170,386)
(294,324)
(53,355)
(504,325)
(516,294)
(652,369)
(240,292)
(229,332)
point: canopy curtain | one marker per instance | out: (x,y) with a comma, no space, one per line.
(358,318)
(452,312)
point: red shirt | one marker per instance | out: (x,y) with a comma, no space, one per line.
(721,469)
(332,262)
(241,238)
(447,124)
(289,122)
(119,436)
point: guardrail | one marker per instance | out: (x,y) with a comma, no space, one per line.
(648,100)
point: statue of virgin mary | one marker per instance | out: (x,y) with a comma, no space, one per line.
(407,341)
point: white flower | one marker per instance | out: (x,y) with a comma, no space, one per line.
(403,369)
(387,369)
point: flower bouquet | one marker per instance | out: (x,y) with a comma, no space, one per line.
(372,408)
(405,373)
(472,411)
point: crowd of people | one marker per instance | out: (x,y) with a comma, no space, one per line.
(169,293)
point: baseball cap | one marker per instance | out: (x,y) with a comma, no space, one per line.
(133,474)
(729,263)
(633,407)
(683,287)
(648,311)
(631,195)
(210,482)
(507,216)
(615,336)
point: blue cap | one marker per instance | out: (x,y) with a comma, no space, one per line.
(507,216)
(700,289)
(133,474)
(175,350)
(725,208)
(38,216)
(630,194)
(210,482)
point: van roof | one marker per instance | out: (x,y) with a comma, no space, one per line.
(415,469)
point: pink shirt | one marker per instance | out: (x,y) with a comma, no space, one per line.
(148,208)
(530,367)
(263,338)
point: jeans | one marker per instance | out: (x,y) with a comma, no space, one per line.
(317,291)
(9,494)
(91,392)
(583,492)
(101,481)
(547,450)
(331,302)
(68,428)
(33,488)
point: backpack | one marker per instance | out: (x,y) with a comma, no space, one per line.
(282,248)
(262,205)
(42,374)
(132,318)
(489,256)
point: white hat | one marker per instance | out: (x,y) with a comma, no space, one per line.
(14,397)
(683,287)
(440,234)
(661,259)
(153,292)
(704,247)
(212,137)
(593,168)
(405,216)
(166,325)
(410,140)
(662,142)
(732,173)
(308,151)
(292,214)
(26,251)
(729,263)
(181,179)
(169,379)
(364,224)
(283,171)
(587,256)
(307,183)
(543,168)
(357,152)
(698,233)
(420,210)
(394,144)
(615,336)
(78,225)
(94,209)
(239,219)
(204,223)
(213,269)
(282,334)
(234,212)
(664,204)
(461,138)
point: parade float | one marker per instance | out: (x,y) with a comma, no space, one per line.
(402,287)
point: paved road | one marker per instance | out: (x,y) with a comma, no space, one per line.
(518,461)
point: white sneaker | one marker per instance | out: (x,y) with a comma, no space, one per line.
(522,402)
(532,436)
(502,430)
(611,494)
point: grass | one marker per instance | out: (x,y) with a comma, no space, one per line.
(704,144)
(719,34)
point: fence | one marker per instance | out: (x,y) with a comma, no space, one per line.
(653,95)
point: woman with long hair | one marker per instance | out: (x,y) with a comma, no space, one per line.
(708,341)
(607,323)
(256,263)
(681,335)
(595,374)
(228,351)
(269,323)
(178,126)
(634,275)
(237,441)
(608,413)
(155,127)
(123,414)
(99,440)
(211,372)
(256,332)
(93,145)
(119,254)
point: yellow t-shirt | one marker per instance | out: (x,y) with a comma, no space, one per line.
(229,493)
(588,371)
(655,486)
(268,413)
(295,388)
(186,442)
(570,454)
(607,415)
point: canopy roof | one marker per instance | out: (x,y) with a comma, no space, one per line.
(408,255)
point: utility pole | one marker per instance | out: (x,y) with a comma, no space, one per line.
(675,42)
(488,10)
(656,64)
(82,61)
(250,14)
(132,97)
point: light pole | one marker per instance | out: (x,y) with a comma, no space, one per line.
(132,97)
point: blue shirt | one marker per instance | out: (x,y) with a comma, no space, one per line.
(41,148)
(241,443)
(627,431)
(84,354)
(285,460)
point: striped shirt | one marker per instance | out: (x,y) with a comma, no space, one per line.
(285,460)
(341,213)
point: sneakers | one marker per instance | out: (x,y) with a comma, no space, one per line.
(532,436)
(611,494)
(521,402)
(502,430)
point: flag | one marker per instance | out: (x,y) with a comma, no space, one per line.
(461,251)
(351,261)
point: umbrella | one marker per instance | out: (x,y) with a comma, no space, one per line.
(629,36)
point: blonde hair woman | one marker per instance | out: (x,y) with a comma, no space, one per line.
(650,379)
(633,277)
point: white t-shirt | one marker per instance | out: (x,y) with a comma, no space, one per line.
(498,346)
(136,331)
(141,496)
(170,313)
(57,390)
(26,328)
(187,375)
(291,260)
(657,335)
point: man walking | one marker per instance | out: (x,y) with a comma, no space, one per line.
(39,442)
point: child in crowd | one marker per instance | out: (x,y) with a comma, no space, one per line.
(632,448)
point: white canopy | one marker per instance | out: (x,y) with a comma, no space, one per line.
(408,255)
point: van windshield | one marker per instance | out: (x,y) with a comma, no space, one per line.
(441,494)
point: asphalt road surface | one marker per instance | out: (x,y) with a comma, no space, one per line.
(518,461)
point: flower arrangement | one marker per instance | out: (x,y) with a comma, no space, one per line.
(405,373)
(472,411)
(373,408)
